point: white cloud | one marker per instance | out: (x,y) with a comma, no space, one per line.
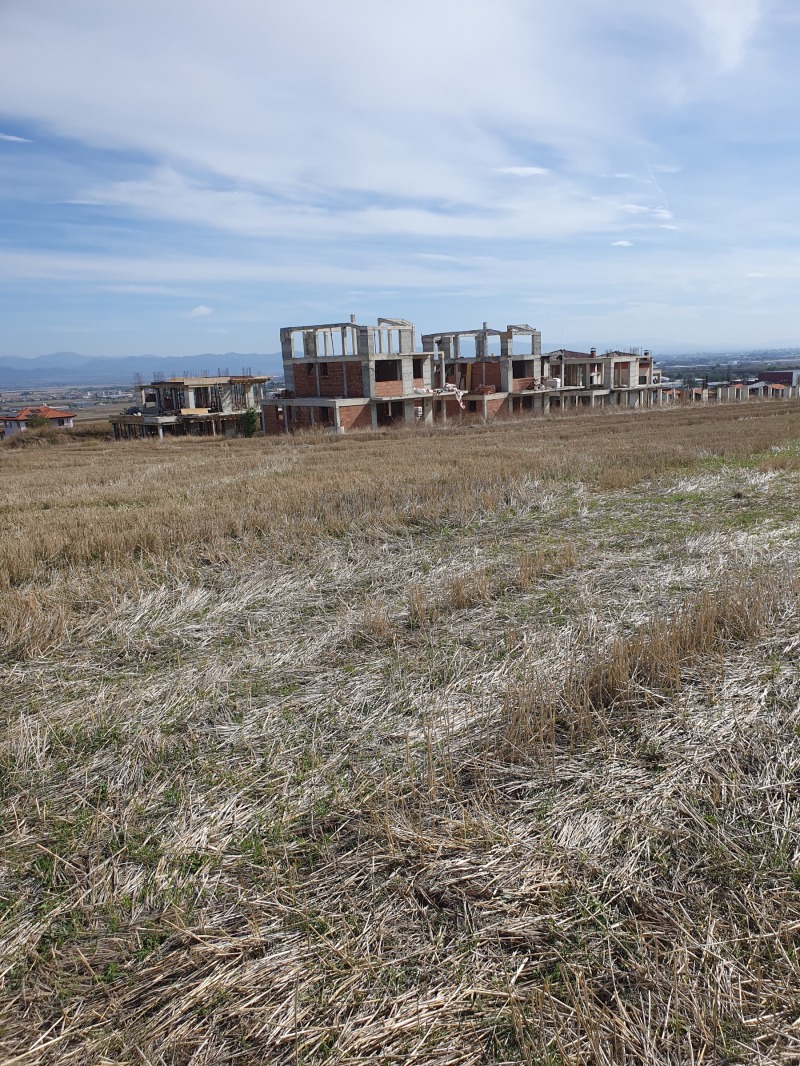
(201,311)
(18,140)
(418,181)
(755,274)
(229,104)
(522,172)
(558,209)
(727,27)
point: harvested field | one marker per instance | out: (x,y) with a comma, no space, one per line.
(474,745)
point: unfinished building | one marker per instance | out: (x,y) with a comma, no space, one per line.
(503,372)
(199,406)
(345,376)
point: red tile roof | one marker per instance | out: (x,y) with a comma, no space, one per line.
(42,412)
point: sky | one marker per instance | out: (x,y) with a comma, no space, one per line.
(189,176)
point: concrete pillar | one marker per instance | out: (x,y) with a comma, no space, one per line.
(160,429)
(368,377)
(407,375)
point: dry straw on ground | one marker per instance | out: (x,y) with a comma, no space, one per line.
(474,746)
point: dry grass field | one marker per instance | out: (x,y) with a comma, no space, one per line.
(463,746)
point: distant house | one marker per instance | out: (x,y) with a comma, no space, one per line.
(16,423)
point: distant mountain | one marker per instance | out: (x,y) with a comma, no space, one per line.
(71,368)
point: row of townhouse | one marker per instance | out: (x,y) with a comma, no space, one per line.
(345,375)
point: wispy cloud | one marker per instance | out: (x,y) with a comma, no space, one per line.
(622,244)
(728,28)
(201,311)
(522,172)
(11,137)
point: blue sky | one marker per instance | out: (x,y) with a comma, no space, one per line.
(189,176)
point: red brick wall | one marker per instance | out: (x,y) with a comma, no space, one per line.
(300,418)
(330,384)
(273,422)
(497,407)
(388,388)
(492,371)
(355,382)
(305,383)
(519,384)
(355,417)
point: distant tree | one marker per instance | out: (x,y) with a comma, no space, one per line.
(249,422)
(37,422)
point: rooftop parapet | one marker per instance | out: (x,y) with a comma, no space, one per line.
(388,337)
(515,340)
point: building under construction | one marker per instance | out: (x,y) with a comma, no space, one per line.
(345,375)
(200,406)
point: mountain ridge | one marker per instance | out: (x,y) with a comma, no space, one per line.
(72,368)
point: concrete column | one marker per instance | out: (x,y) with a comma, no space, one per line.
(368,377)
(160,429)
(407,375)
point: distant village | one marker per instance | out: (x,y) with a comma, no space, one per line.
(344,376)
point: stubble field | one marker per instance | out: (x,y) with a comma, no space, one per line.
(474,745)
